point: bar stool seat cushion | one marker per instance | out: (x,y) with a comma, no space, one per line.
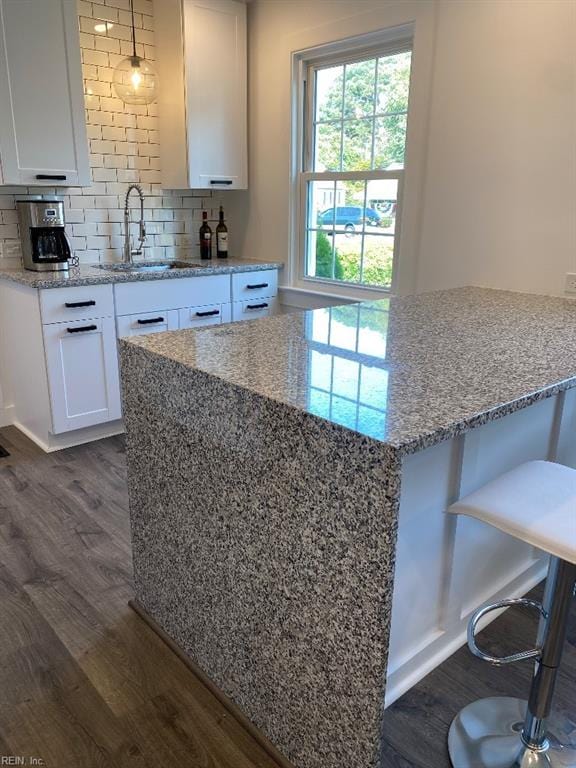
(535,502)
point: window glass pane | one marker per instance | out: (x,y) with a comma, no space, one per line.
(389,142)
(393,83)
(327,147)
(321,261)
(329,93)
(359,89)
(323,198)
(357,147)
(381,200)
(377,260)
(348,256)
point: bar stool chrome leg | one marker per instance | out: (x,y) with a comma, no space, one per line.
(511,733)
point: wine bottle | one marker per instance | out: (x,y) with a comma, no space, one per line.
(205,238)
(221,237)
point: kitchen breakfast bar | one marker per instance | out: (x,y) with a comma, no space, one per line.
(288,483)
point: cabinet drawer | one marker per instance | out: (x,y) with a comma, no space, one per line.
(147,322)
(82,366)
(254,285)
(60,305)
(213,314)
(50,178)
(249,310)
(175,293)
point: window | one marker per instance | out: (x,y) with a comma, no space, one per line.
(353,138)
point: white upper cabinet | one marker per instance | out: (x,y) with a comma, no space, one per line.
(201,49)
(42,122)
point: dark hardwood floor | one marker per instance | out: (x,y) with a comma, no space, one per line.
(84,683)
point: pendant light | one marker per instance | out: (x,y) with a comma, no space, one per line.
(135,80)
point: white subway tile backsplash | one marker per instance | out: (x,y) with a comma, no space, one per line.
(104,174)
(98,214)
(97,88)
(115,161)
(8,231)
(114,133)
(74,215)
(102,147)
(102,43)
(124,149)
(99,58)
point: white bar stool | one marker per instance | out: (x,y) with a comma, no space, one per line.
(536,502)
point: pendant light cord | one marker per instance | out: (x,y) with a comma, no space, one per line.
(133,28)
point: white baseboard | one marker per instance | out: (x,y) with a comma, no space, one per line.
(445,644)
(77,437)
(6,416)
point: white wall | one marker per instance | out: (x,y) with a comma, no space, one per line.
(500,200)
(499,166)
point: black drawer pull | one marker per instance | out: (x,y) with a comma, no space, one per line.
(208,314)
(226,182)
(82,329)
(257,285)
(150,321)
(256,306)
(76,304)
(51,176)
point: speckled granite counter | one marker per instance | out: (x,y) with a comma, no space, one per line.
(92,274)
(265,467)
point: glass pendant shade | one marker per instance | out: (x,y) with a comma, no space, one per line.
(135,81)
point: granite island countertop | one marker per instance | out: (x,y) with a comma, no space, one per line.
(409,372)
(96,274)
(267,462)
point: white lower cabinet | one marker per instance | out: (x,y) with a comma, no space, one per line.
(82,366)
(61,347)
(213,314)
(147,322)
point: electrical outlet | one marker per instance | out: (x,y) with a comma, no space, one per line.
(570,285)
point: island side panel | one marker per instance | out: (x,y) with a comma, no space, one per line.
(447,566)
(264,546)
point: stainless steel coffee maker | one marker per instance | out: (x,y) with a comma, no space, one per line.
(45,247)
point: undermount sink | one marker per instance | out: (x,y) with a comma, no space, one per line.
(153,266)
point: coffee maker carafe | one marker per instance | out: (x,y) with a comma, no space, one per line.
(45,247)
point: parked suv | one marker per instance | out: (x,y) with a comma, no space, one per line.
(349,217)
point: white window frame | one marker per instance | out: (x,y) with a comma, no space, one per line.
(304,64)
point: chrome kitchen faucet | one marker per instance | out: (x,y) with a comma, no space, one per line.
(128,251)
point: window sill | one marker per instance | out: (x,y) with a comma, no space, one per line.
(314,297)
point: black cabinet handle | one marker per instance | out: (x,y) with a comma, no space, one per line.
(226,182)
(208,314)
(51,176)
(150,321)
(76,304)
(82,329)
(256,306)
(257,285)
